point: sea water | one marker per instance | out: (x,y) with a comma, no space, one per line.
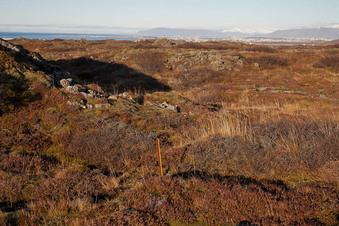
(51,36)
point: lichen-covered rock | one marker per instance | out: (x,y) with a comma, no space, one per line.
(102,105)
(168,106)
(113,97)
(72,89)
(126,96)
(65,82)
(82,104)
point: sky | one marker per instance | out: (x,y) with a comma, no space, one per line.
(128,16)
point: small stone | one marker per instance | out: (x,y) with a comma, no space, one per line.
(93,92)
(83,101)
(113,97)
(101,105)
(72,89)
(166,105)
(261,89)
(163,105)
(64,83)
(149,103)
(84,94)
(75,104)
(127,96)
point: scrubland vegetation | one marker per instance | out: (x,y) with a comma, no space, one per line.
(256,140)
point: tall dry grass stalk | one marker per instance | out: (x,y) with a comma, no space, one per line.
(236,119)
(228,126)
(224,124)
(263,112)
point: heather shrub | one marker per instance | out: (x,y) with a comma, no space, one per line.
(14,92)
(6,60)
(88,184)
(312,143)
(268,61)
(20,163)
(209,45)
(331,62)
(3,219)
(265,49)
(149,62)
(11,191)
(115,146)
(199,76)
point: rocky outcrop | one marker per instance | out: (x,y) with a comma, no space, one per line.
(34,62)
(164,42)
(185,59)
(215,60)
(7,46)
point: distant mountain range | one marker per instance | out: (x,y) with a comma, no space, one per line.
(303,33)
(188,33)
(316,33)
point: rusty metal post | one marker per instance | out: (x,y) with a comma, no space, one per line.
(159,153)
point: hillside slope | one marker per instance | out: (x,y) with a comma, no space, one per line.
(248,134)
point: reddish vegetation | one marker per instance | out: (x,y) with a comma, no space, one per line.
(328,62)
(267,61)
(255,142)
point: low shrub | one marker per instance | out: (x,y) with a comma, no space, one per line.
(209,45)
(265,49)
(268,61)
(19,163)
(150,62)
(331,62)
(116,146)
(14,92)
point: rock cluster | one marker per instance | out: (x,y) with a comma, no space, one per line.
(79,89)
(82,104)
(168,106)
(164,105)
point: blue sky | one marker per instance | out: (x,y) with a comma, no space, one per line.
(123,16)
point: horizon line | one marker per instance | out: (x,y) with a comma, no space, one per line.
(120,30)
